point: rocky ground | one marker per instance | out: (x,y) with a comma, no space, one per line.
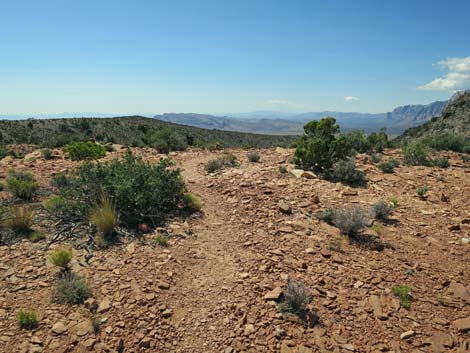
(214,289)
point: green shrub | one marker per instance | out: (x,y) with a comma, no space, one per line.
(321,147)
(446,142)
(71,289)
(192,202)
(36,236)
(441,162)
(105,219)
(466,158)
(59,180)
(165,141)
(55,204)
(79,151)
(416,153)
(382,210)
(61,258)
(46,153)
(22,185)
(227,160)
(161,240)
(350,220)
(19,219)
(422,191)
(141,192)
(27,319)
(253,156)
(404,294)
(345,172)
(375,158)
(296,297)
(328,215)
(3,152)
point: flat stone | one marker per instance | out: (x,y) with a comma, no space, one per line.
(59,328)
(284,207)
(163,285)
(275,294)
(104,306)
(462,325)
(407,334)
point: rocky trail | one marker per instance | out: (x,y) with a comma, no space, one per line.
(217,286)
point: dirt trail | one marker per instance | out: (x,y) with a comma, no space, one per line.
(211,267)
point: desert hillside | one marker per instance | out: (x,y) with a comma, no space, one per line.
(218,281)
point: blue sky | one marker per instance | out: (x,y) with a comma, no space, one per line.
(230,55)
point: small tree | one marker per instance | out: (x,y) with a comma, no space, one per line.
(321,146)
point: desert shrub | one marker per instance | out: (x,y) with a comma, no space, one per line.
(104,218)
(192,202)
(350,220)
(328,215)
(422,191)
(71,289)
(46,153)
(382,210)
(36,236)
(59,180)
(19,219)
(416,153)
(296,297)
(253,156)
(61,258)
(446,142)
(375,158)
(335,244)
(378,141)
(95,322)
(441,162)
(161,240)
(388,166)
(22,185)
(3,152)
(404,294)
(345,172)
(321,146)
(226,160)
(165,141)
(2,186)
(141,192)
(27,319)
(79,151)
(466,158)
(55,204)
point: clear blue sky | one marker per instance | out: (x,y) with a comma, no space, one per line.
(230,55)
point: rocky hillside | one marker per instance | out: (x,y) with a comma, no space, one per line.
(220,283)
(455,119)
(124,130)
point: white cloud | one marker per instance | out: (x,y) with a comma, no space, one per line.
(350,98)
(457,77)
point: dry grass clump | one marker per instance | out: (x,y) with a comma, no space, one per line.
(105,218)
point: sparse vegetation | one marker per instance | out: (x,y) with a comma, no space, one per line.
(336,244)
(328,215)
(388,166)
(296,298)
(441,162)
(27,319)
(375,158)
(79,151)
(34,237)
(55,204)
(416,153)
(226,160)
(19,219)
(345,172)
(253,156)
(71,289)
(161,240)
(165,141)
(22,185)
(404,294)
(395,201)
(422,191)
(192,202)
(382,210)
(59,180)
(105,219)
(46,153)
(61,258)
(350,220)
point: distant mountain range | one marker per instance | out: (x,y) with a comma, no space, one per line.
(282,123)
(268,122)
